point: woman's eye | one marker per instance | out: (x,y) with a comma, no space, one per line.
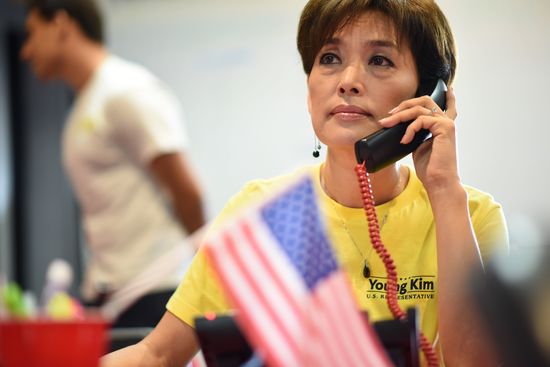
(380,61)
(329,58)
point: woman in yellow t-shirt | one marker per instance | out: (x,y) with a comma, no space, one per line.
(366,62)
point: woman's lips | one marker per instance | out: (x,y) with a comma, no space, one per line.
(349,113)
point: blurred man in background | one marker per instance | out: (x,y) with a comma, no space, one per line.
(124,152)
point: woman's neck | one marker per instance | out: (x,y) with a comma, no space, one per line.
(339,181)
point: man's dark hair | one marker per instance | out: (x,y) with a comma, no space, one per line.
(85,12)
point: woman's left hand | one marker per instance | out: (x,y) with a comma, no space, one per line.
(435,160)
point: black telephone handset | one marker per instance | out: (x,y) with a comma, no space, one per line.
(383,147)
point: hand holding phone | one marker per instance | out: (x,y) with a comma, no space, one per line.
(384,147)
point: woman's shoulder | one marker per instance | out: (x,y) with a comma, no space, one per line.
(259,189)
(479,199)
(481,204)
(271,184)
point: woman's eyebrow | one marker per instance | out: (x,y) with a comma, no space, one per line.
(381,43)
(371,43)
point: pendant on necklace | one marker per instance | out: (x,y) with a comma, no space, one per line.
(366,269)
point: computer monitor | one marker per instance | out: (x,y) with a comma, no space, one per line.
(223,344)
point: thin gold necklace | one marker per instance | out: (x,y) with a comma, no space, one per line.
(366,267)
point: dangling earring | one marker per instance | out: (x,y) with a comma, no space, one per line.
(316,147)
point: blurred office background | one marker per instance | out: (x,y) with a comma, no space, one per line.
(235,67)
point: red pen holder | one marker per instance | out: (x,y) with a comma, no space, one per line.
(49,343)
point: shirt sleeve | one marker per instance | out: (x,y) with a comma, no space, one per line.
(489,225)
(146,122)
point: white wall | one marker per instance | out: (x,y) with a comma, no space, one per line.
(235,66)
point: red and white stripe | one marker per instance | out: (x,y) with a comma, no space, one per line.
(288,325)
(266,289)
(345,334)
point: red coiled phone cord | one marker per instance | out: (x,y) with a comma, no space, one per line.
(391,288)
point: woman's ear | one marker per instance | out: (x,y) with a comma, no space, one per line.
(308,103)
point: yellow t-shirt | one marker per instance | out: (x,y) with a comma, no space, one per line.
(407,231)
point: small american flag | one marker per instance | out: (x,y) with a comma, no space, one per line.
(294,303)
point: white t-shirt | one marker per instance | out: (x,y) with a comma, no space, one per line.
(122,119)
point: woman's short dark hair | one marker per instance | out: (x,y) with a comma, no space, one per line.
(85,12)
(419,23)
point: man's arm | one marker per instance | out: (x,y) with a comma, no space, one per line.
(174,174)
(172,343)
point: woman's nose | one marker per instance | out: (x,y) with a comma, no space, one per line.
(352,82)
